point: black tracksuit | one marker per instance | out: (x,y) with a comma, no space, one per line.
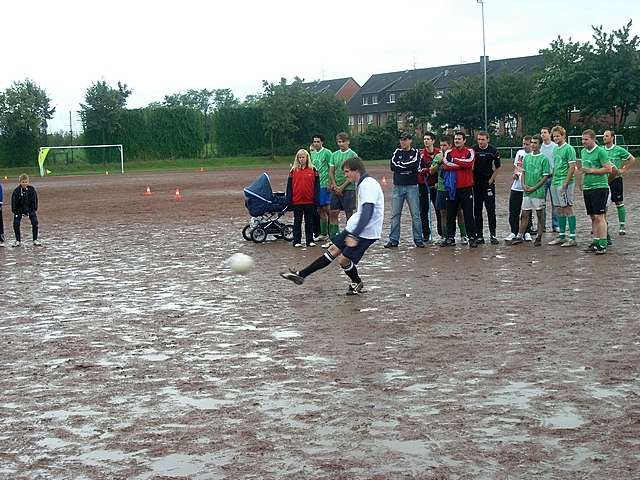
(487,161)
(24,201)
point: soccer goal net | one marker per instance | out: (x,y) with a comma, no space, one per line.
(81,157)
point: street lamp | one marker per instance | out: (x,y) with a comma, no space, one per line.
(484,57)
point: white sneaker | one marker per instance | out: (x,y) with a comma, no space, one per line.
(37,243)
(15,244)
(327,245)
(311,244)
(510,237)
(464,240)
(319,238)
(527,237)
(2,245)
(297,245)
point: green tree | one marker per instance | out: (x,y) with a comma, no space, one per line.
(102,109)
(24,111)
(418,104)
(279,113)
(463,105)
(612,68)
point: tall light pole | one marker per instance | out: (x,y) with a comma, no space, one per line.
(484,58)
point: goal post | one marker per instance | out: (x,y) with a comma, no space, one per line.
(44,151)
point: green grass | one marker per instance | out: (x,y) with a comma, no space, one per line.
(177,165)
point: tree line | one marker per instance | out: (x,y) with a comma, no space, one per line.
(600,78)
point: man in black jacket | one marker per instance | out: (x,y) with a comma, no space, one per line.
(24,201)
(484,185)
(405,164)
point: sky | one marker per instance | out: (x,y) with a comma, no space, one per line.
(159,48)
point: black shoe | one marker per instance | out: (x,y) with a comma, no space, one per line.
(448,242)
(391,245)
(419,245)
(609,242)
(591,248)
(479,241)
(354,288)
(538,241)
(600,250)
(517,240)
(473,243)
(494,240)
(293,276)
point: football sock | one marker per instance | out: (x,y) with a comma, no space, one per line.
(352,272)
(562,224)
(318,264)
(572,226)
(324,226)
(622,215)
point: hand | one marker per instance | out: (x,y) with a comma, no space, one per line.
(332,187)
(351,241)
(492,181)
(622,170)
(338,190)
(565,185)
(528,189)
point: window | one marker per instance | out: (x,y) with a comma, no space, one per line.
(374,99)
(439,94)
(360,119)
(352,120)
(365,100)
(370,119)
(392,98)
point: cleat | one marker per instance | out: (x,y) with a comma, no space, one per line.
(319,238)
(510,237)
(391,245)
(494,240)
(311,244)
(15,244)
(517,239)
(479,241)
(464,240)
(622,231)
(591,248)
(448,242)
(355,288)
(37,243)
(557,241)
(292,276)
(538,241)
(297,245)
(569,243)
(473,243)
(609,242)
(527,237)
(600,251)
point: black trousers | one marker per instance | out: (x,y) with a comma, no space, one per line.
(423,190)
(34,225)
(515,205)
(306,211)
(433,193)
(484,195)
(316,222)
(1,226)
(464,200)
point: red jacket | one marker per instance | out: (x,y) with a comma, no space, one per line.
(427,158)
(303,186)
(461,160)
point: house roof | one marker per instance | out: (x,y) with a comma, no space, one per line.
(326,86)
(399,82)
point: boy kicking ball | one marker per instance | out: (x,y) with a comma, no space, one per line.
(24,202)
(363,228)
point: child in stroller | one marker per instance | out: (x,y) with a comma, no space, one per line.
(266,208)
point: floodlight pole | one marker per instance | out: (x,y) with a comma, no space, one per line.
(484,58)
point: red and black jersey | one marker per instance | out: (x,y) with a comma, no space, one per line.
(461,160)
(303,186)
(427,158)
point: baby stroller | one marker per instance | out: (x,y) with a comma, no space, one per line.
(266,209)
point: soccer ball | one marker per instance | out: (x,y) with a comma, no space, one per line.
(240,263)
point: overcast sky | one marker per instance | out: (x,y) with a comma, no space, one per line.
(166,47)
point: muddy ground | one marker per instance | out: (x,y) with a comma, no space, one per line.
(129,350)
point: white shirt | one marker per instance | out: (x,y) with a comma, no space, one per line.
(369,191)
(517,163)
(547,150)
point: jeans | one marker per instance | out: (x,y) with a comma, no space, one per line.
(554,213)
(408,193)
(425,217)
(484,194)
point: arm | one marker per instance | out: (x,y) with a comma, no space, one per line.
(35,200)
(447,163)
(316,188)
(365,217)
(536,186)
(496,167)
(465,163)
(606,168)
(628,163)
(14,203)
(570,174)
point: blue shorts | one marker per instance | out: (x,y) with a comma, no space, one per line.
(325,197)
(352,253)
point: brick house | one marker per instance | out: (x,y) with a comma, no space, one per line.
(375,102)
(344,88)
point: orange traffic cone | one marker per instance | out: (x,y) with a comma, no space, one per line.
(147,191)
(178,195)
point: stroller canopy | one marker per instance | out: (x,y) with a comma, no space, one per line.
(261,200)
(260,189)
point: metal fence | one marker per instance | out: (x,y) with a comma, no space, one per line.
(633,149)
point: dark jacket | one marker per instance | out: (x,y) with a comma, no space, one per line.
(405,165)
(24,200)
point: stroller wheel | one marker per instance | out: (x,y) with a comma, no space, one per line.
(246,233)
(287,233)
(258,235)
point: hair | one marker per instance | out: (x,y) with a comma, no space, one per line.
(589,133)
(538,138)
(22,177)
(296,164)
(354,163)
(613,134)
(446,138)
(560,130)
(483,134)
(342,136)
(462,134)
(431,135)
(546,128)
(317,135)
(527,138)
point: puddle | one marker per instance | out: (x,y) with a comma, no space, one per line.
(51,443)
(97,457)
(285,334)
(565,418)
(202,403)
(516,394)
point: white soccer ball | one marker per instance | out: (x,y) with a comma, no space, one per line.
(240,263)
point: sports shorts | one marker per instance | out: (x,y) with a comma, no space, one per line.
(532,203)
(345,202)
(595,201)
(352,253)
(325,197)
(563,197)
(615,186)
